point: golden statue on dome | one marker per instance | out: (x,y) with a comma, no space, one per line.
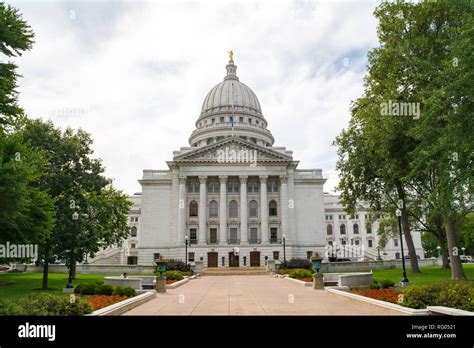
(231,56)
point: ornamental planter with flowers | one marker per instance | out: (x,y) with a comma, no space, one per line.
(316,261)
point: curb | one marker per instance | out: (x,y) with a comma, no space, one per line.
(124,306)
(380,303)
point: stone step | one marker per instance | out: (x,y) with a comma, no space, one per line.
(222,271)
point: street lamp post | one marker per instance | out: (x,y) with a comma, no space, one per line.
(75,216)
(186,240)
(439,251)
(463,251)
(284,249)
(399,215)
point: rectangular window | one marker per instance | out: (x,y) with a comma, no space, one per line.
(233,235)
(395,242)
(273,235)
(252,186)
(253,235)
(309,254)
(241,119)
(156,256)
(191,257)
(233,187)
(276,255)
(132,260)
(222,119)
(193,235)
(213,235)
(132,246)
(371,243)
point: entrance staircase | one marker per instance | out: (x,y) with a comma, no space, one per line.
(226,271)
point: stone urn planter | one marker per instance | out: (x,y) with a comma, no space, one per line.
(160,285)
(316,262)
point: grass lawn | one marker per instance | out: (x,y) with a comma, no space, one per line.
(24,284)
(429,274)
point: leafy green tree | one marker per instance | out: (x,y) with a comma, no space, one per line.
(16,36)
(425,56)
(26,212)
(75,180)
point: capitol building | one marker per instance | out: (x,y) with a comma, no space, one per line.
(237,200)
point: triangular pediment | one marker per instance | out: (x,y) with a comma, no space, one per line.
(233,150)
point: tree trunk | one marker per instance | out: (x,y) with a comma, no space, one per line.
(406,231)
(73,270)
(409,241)
(45,269)
(45,272)
(444,251)
(457,272)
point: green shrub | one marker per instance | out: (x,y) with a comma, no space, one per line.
(385,283)
(124,291)
(296,263)
(374,285)
(87,288)
(300,273)
(458,295)
(177,265)
(104,289)
(176,275)
(45,304)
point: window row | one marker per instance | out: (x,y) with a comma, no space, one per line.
(342,229)
(233,209)
(233,186)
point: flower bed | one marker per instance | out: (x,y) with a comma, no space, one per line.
(306,279)
(170,281)
(388,295)
(101,301)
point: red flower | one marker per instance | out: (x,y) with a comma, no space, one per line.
(388,295)
(101,301)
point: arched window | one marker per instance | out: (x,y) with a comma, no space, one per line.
(134,231)
(356,228)
(329,230)
(193,208)
(233,209)
(369,228)
(213,208)
(342,229)
(272,208)
(253,209)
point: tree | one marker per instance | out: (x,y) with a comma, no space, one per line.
(16,36)
(75,180)
(26,212)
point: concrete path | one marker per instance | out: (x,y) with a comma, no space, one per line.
(252,295)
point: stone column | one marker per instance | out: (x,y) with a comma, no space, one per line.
(202,210)
(182,205)
(243,209)
(284,206)
(263,209)
(223,210)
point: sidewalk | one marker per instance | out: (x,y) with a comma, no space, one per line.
(252,295)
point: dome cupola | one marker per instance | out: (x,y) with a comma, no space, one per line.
(231,98)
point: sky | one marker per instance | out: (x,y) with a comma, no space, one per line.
(134,74)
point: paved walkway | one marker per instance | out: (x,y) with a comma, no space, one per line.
(252,295)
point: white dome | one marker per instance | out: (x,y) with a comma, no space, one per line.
(228,93)
(231,97)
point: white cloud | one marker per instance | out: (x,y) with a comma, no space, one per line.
(134,75)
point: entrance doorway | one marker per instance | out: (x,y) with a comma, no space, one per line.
(233,259)
(212,259)
(255,259)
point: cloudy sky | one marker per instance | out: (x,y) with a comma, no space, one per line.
(135,74)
